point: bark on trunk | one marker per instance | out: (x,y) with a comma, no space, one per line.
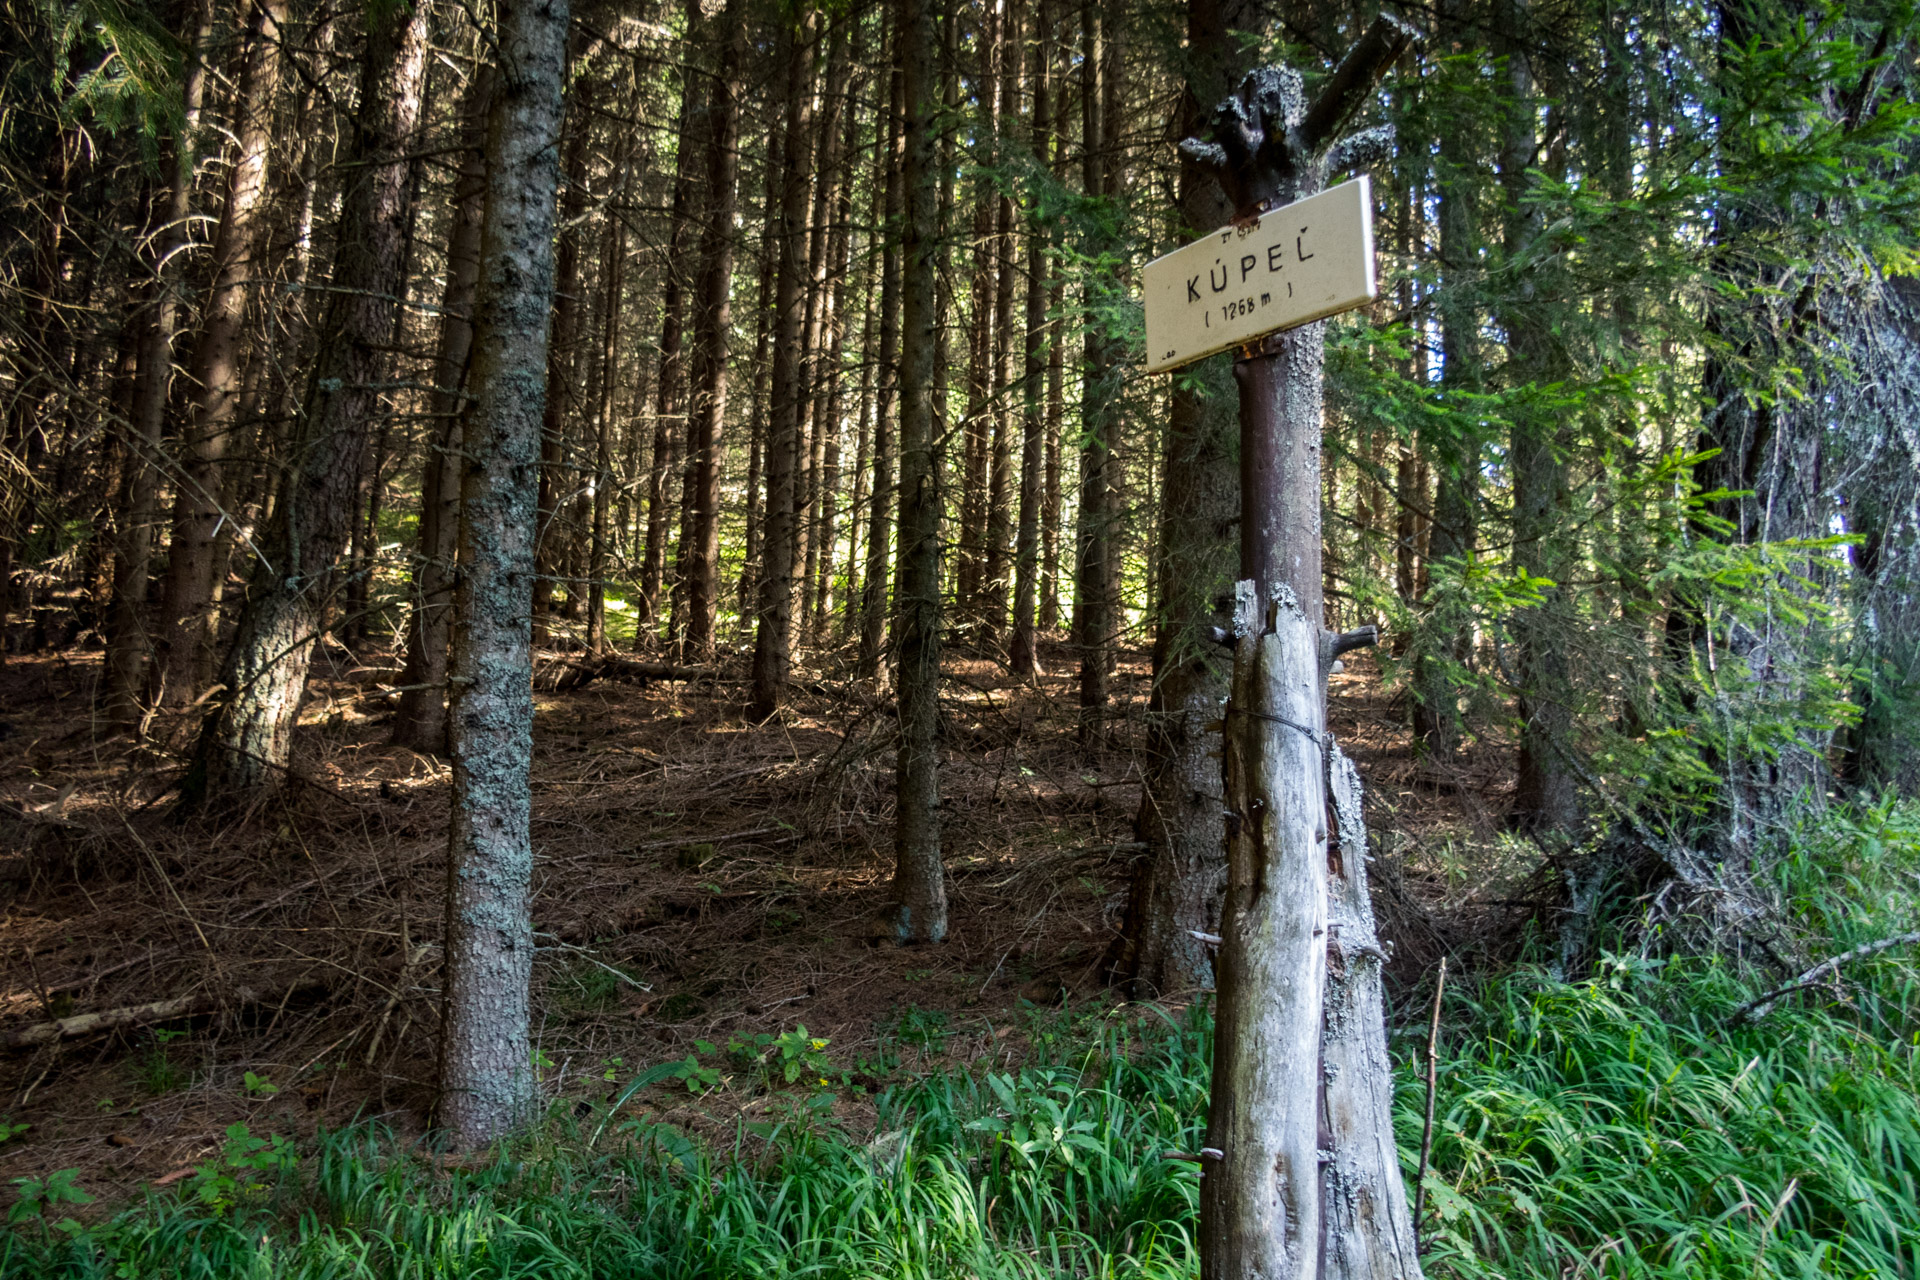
(1260,1194)
(246,740)
(919,907)
(1370,1233)
(486,1083)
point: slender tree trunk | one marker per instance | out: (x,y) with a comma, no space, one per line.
(751,567)
(128,640)
(556,478)
(1092,596)
(919,895)
(669,413)
(993,602)
(873,589)
(700,552)
(971,562)
(613,259)
(1546,800)
(188,651)
(486,1080)
(147,410)
(839,247)
(1026,552)
(1435,701)
(421,721)
(808,489)
(247,739)
(1056,422)
(772,650)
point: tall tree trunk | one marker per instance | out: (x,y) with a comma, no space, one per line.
(1546,800)
(1056,422)
(613,261)
(1026,552)
(188,651)
(669,412)
(976,482)
(919,894)
(712,321)
(421,721)
(486,1080)
(247,739)
(1177,887)
(757,409)
(147,407)
(556,478)
(772,649)
(137,503)
(832,394)
(1456,461)
(873,588)
(993,603)
(1093,558)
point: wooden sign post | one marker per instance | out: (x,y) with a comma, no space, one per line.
(1300,1178)
(1299,263)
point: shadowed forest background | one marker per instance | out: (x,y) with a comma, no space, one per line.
(608,665)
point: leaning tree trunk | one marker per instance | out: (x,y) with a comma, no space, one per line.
(486,1081)
(919,908)
(421,722)
(247,739)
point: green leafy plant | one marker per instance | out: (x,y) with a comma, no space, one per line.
(246,1163)
(259,1086)
(37,1195)
(698,1077)
(9,1130)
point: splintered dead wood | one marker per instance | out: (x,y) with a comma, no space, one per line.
(696,877)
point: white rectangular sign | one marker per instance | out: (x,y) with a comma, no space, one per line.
(1301,262)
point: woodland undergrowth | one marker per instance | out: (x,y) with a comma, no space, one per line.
(1634,1123)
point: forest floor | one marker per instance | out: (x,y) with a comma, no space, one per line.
(697,879)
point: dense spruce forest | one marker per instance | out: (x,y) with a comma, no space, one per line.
(612,665)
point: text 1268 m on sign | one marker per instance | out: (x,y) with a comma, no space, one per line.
(1301,262)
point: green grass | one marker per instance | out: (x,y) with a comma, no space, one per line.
(1621,1126)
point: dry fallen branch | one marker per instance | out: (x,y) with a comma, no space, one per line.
(82,1024)
(1754,1010)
